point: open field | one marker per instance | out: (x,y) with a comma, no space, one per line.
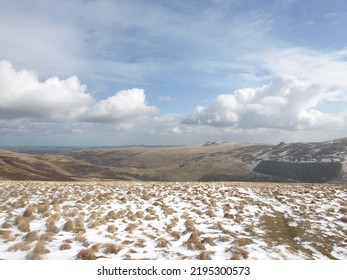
(153,220)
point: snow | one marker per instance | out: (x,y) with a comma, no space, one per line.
(230,220)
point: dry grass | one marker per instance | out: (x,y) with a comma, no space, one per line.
(64,246)
(7,235)
(69,226)
(86,254)
(51,227)
(21,246)
(194,242)
(110,248)
(205,255)
(215,220)
(111,228)
(29,211)
(161,242)
(31,236)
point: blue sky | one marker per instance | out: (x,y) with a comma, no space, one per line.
(154,72)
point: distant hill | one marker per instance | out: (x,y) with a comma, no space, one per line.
(212,161)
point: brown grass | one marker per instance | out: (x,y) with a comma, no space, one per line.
(111,228)
(161,242)
(24,225)
(86,254)
(210,213)
(56,207)
(29,211)
(194,242)
(51,227)
(64,246)
(31,236)
(110,248)
(40,248)
(21,246)
(7,235)
(205,255)
(6,225)
(210,241)
(130,227)
(242,241)
(69,226)
(175,234)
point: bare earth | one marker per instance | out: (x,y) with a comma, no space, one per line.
(135,220)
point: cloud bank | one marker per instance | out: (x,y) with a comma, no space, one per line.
(22,95)
(285,103)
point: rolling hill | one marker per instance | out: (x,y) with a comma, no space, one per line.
(212,161)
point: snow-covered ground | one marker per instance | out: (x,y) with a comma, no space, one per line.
(134,220)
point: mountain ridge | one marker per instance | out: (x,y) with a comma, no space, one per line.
(211,161)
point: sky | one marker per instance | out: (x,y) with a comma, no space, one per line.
(157,72)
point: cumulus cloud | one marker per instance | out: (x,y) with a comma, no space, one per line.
(285,103)
(23,95)
(124,105)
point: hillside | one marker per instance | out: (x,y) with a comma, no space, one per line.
(212,161)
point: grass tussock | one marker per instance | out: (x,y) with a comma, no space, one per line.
(31,237)
(20,246)
(24,225)
(161,242)
(242,241)
(130,228)
(194,242)
(112,229)
(210,241)
(7,235)
(51,227)
(226,231)
(64,246)
(6,225)
(205,255)
(56,207)
(69,226)
(86,254)
(110,248)
(344,219)
(29,211)
(175,234)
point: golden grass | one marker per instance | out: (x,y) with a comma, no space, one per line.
(205,255)
(161,242)
(7,235)
(24,225)
(194,242)
(64,246)
(6,225)
(86,254)
(110,248)
(51,227)
(31,237)
(242,241)
(29,211)
(209,240)
(21,246)
(69,226)
(111,228)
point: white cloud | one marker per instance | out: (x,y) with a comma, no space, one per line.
(285,103)
(126,105)
(327,69)
(22,95)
